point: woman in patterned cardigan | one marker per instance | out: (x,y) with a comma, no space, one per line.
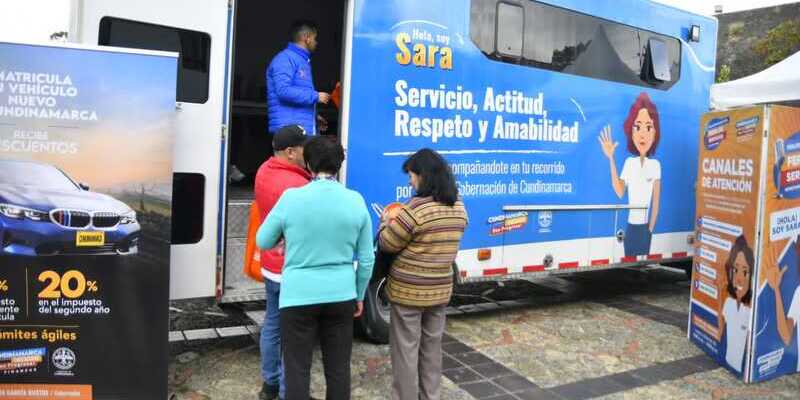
(425,234)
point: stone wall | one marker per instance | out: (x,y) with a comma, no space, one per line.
(740,31)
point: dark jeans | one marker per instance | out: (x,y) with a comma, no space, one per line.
(271,370)
(330,324)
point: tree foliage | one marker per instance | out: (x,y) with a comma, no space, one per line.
(724,73)
(780,42)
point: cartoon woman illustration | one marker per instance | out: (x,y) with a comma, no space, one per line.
(734,316)
(786,321)
(640,173)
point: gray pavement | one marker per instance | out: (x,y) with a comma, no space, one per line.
(610,335)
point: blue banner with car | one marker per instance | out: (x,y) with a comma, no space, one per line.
(85,216)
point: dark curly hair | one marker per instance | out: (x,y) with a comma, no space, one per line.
(436,178)
(740,246)
(323,155)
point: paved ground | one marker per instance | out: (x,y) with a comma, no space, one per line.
(608,335)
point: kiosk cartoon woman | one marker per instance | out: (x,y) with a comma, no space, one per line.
(734,314)
(641,174)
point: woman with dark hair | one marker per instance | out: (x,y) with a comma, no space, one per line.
(425,234)
(326,226)
(734,313)
(641,175)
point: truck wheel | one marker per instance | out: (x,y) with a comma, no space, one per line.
(687,269)
(375,319)
(686,266)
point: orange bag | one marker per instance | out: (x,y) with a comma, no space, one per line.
(252,254)
(336,95)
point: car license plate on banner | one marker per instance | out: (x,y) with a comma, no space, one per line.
(90,239)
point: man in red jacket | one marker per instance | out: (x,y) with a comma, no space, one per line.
(286,169)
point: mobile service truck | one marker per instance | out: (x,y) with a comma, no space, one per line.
(570,125)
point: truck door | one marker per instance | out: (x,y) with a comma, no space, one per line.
(200,30)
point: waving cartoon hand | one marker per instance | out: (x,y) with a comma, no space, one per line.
(606,142)
(775,276)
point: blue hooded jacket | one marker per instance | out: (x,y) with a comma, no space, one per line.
(291,96)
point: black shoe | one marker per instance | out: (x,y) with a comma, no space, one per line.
(268,392)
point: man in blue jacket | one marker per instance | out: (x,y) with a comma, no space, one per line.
(291,96)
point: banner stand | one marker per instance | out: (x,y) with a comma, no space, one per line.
(745,299)
(86,146)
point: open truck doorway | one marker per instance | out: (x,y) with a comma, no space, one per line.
(261,30)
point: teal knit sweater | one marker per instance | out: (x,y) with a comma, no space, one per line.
(326,227)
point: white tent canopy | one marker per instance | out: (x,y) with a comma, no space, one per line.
(779,83)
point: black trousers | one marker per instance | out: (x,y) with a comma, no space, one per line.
(301,327)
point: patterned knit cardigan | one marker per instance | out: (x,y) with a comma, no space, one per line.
(426,236)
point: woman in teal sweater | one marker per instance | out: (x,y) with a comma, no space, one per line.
(326,226)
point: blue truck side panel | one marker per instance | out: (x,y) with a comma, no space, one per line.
(567,168)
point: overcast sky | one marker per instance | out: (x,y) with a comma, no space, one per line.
(35,20)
